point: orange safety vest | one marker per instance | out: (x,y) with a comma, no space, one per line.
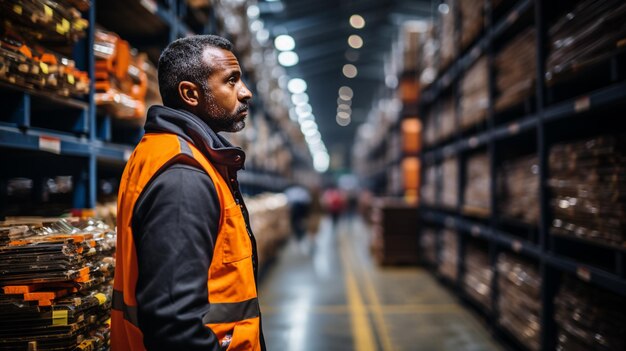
(234,308)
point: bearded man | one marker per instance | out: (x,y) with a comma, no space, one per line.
(186,263)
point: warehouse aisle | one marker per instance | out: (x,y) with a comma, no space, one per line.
(335,297)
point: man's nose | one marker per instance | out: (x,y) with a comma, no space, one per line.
(244,93)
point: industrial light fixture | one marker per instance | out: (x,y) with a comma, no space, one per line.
(304,109)
(288,58)
(253,12)
(300,99)
(349,70)
(343,122)
(296,86)
(284,42)
(357,21)
(344,107)
(341,101)
(343,115)
(355,41)
(346,93)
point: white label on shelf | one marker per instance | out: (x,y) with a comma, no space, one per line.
(516,246)
(50,144)
(583,273)
(475,230)
(512,17)
(150,5)
(127,154)
(582,104)
(475,53)
(473,142)
(514,128)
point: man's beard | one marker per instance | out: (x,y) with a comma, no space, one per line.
(221,121)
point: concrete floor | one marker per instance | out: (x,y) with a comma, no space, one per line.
(327,294)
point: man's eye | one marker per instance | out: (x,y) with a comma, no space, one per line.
(232,80)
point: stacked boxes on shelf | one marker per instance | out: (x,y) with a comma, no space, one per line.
(587,183)
(477,197)
(519,301)
(585,36)
(450,183)
(447,50)
(429,185)
(35,40)
(428,246)
(478,275)
(269,219)
(518,189)
(447,119)
(395,238)
(472,20)
(126,81)
(515,65)
(449,255)
(474,94)
(589,318)
(56,284)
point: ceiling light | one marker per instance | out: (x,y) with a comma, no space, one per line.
(300,99)
(296,86)
(305,117)
(391,81)
(288,58)
(355,41)
(342,101)
(444,8)
(284,42)
(350,70)
(321,161)
(304,109)
(343,115)
(356,21)
(262,35)
(344,107)
(315,137)
(254,12)
(346,93)
(308,125)
(343,121)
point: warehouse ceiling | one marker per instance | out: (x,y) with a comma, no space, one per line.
(321,29)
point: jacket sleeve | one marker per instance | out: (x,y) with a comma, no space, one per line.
(175,225)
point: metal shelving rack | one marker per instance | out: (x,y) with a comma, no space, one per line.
(67,135)
(551,110)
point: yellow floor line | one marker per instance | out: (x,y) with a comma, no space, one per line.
(361,330)
(374,301)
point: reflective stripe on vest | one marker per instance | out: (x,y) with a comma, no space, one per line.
(218,312)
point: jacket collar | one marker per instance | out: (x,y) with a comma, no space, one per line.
(216,148)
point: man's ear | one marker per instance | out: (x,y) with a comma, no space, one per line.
(189,93)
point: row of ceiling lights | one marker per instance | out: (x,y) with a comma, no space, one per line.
(344,102)
(302,112)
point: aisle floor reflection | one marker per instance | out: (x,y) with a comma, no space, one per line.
(328,294)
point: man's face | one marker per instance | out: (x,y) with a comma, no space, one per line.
(225,105)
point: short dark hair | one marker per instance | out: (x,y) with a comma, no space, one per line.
(182,60)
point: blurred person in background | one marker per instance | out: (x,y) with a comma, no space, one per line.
(299,201)
(186,270)
(334,202)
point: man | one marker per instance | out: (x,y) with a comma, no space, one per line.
(186,267)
